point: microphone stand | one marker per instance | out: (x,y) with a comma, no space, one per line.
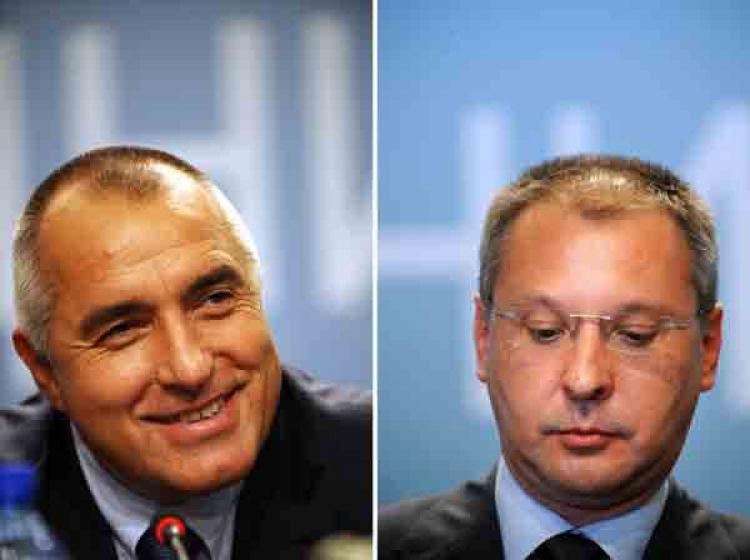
(170,530)
(174,538)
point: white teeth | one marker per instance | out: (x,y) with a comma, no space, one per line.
(208,411)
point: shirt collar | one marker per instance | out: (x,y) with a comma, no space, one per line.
(129,514)
(525,524)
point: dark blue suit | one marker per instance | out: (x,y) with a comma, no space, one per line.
(463,524)
(312,478)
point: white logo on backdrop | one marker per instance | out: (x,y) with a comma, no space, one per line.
(244,147)
(11,152)
(342,228)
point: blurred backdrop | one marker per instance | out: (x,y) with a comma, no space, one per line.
(271,98)
(471,93)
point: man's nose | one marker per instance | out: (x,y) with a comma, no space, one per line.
(186,364)
(588,374)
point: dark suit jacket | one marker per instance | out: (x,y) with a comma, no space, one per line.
(312,478)
(463,524)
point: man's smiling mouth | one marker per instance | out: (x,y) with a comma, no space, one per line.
(194,415)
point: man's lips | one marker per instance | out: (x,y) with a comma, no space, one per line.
(602,428)
(194,413)
(589,431)
(587,437)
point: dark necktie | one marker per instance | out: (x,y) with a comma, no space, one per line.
(568,546)
(149,547)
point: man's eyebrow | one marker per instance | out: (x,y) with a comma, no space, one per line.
(627,308)
(108,314)
(541,301)
(633,308)
(222,274)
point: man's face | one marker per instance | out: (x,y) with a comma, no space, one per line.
(160,353)
(586,429)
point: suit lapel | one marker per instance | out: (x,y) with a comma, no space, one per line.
(279,507)
(667,537)
(66,502)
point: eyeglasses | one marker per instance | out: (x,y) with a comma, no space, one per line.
(639,334)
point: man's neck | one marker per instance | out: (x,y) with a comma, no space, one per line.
(129,513)
(580,510)
(526,522)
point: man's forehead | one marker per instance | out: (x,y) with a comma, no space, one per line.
(86,228)
(542,219)
(179,192)
(626,254)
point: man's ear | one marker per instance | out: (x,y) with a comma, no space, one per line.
(711,347)
(481,338)
(40,368)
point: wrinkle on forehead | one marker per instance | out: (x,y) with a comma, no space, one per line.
(89,238)
(128,262)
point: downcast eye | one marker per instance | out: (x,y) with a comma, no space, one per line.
(635,335)
(544,333)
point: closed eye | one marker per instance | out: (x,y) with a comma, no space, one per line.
(542,333)
(636,336)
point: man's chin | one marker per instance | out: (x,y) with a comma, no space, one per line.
(199,476)
(180,490)
(606,489)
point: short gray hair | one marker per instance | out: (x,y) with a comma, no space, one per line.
(599,187)
(129,171)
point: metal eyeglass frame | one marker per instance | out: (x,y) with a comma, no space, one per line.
(607,326)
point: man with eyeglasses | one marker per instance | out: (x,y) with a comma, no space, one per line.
(596,330)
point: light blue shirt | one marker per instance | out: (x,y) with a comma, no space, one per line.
(130,514)
(525,524)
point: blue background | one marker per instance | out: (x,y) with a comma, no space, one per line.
(522,82)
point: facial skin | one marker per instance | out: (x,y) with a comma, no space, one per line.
(154,318)
(592,435)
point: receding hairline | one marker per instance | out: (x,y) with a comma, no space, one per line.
(137,174)
(178,195)
(572,207)
(599,187)
(592,206)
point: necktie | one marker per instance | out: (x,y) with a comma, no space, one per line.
(149,547)
(568,546)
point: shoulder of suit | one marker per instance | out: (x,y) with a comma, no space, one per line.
(24,428)
(330,426)
(330,402)
(732,530)
(706,532)
(329,429)
(439,525)
(738,532)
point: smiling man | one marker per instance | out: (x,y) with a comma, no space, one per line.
(596,330)
(139,315)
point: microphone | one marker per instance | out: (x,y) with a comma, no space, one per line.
(170,531)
